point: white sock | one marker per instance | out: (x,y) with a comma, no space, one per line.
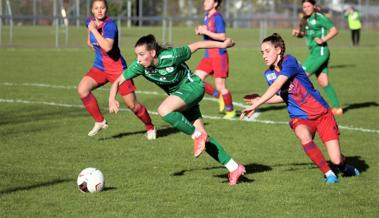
(329,173)
(196,134)
(231,165)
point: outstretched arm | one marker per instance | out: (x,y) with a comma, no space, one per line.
(114,105)
(266,97)
(211,44)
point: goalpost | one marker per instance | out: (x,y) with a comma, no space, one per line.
(9,16)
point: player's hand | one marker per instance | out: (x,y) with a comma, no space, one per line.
(296,32)
(319,41)
(251,98)
(201,30)
(92,26)
(248,112)
(229,43)
(114,106)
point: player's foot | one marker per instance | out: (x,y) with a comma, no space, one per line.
(199,144)
(230,114)
(331,179)
(350,171)
(221,104)
(337,111)
(233,176)
(98,127)
(151,134)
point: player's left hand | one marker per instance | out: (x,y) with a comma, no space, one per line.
(229,43)
(251,98)
(114,106)
(248,112)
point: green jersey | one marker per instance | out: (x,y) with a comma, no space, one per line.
(318,25)
(170,72)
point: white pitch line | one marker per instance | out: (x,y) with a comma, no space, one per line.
(20,101)
(254,117)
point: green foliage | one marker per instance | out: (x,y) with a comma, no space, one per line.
(44,142)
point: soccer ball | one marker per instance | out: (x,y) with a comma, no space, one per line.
(90,180)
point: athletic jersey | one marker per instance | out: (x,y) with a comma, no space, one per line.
(170,72)
(215,23)
(110,62)
(318,25)
(302,99)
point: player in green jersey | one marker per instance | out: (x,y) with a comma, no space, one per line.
(318,29)
(166,67)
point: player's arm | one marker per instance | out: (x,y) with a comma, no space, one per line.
(105,43)
(88,40)
(203,30)
(268,96)
(211,44)
(114,105)
(331,34)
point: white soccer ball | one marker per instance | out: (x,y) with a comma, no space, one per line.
(90,180)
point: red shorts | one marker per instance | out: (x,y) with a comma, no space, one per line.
(218,66)
(325,125)
(102,78)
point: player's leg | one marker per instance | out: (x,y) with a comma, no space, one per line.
(126,90)
(323,81)
(93,79)
(220,66)
(204,69)
(329,134)
(305,131)
(215,150)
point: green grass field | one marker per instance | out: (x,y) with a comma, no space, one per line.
(44,143)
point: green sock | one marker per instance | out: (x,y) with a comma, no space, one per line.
(177,120)
(331,93)
(215,150)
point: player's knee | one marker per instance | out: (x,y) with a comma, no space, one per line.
(163,110)
(336,160)
(82,92)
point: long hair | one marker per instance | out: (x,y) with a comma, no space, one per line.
(303,21)
(150,42)
(277,41)
(218,3)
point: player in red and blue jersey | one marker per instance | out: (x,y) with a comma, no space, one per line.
(309,113)
(107,67)
(216,60)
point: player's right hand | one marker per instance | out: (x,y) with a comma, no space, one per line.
(248,112)
(114,106)
(229,43)
(295,32)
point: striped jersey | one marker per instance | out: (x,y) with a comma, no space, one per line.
(215,23)
(302,99)
(110,62)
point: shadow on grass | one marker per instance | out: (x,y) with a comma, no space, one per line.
(342,66)
(355,161)
(109,188)
(360,105)
(250,169)
(160,133)
(34,186)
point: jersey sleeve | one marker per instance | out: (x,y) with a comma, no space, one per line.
(181,54)
(110,30)
(134,69)
(220,24)
(289,67)
(325,21)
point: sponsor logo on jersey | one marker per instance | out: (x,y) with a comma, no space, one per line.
(271,76)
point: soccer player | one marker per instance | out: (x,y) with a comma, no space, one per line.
(216,60)
(308,111)
(318,30)
(107,66)
(166,67)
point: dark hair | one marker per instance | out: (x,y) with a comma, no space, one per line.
(303,21)
(218,3)
(105,3)
(277,41)
(150,42)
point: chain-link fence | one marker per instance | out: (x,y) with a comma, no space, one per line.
(260,14)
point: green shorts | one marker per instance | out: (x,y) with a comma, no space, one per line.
(191,92)
(317,61)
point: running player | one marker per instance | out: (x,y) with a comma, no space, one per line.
(216,60)
(107,66)
(309,113)
(167,68)
(318,30)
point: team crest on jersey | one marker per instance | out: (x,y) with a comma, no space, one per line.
(271,76)
(169,69)
(313,22)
